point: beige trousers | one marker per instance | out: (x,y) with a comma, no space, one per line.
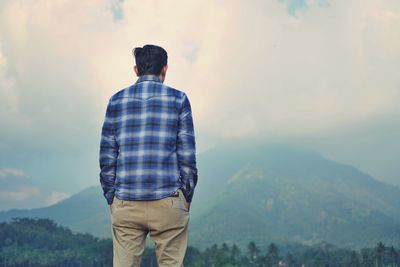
(166,220)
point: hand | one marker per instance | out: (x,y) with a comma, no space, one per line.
(187,205)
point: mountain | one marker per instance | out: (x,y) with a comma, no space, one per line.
(263,193)
(285,193)
(85,211)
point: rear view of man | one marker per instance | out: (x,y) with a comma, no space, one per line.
(148,164)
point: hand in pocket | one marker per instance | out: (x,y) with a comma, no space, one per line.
(187,204)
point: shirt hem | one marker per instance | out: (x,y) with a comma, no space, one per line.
(122,197)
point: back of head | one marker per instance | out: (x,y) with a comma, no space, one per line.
(150,59)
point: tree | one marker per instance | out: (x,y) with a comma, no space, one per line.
(351,260)
(379,254)
(393,256)
(272,255)
(290,260)
(367,258)
(235,253)
(253,251)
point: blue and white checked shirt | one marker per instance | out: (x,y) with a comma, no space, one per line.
(147,147)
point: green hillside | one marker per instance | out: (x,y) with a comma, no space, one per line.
(263,193)
(281,193)
(83,212)
(41,242)
(28,242)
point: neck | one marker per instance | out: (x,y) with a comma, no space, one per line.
(162,77)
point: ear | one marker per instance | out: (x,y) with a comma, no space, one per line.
(165,68)
(135,68)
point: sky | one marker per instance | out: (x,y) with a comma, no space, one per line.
(320,73)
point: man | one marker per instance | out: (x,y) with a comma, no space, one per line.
(148,164)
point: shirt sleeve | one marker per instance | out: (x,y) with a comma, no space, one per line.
(186,150)
(108,155)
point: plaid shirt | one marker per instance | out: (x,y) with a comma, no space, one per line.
(147,147)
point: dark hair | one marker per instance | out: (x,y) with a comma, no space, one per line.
(150,59)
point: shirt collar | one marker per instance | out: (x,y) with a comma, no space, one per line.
(148,77)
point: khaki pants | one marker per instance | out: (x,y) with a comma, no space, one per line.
(165,219)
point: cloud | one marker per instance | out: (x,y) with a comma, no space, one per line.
(20,190)
(20,195)
(249,67)
(9,98)
(327,69)
(7,172)
(56,197)
(251,70)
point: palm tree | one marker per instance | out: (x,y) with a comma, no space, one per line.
(235,252)
(379,253)
(272,255)
(253,253)
(394,256)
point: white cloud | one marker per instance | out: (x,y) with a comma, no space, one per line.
(7,172)
(248,67)
(56,197)
(285,76)
(7,87)
(22,194)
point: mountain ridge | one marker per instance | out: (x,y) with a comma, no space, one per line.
(265,192)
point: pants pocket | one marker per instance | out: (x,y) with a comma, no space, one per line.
(180,202)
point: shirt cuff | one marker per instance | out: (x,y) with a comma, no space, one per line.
(109,197)
(110,200)
(188,194)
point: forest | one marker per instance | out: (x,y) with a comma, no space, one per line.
(35,242)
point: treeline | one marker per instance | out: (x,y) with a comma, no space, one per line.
(26,242)
(323,255)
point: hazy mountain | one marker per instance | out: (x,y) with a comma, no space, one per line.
(281,193)
(264,193)
(85,212)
